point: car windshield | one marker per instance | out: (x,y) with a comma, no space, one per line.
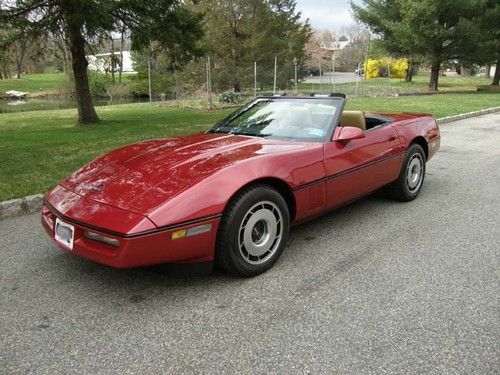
(302,119)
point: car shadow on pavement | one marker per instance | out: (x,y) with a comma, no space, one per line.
(170,281)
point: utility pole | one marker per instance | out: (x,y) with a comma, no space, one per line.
(209,82)
(149,80)
(389,78)
(275,73)
(295,63)
(333,70)
(366,61)
(255,79)
(176,85)
(320,75)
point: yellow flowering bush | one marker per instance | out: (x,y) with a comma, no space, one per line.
(378,67)
(372,68)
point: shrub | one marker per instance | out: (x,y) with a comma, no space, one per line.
(378,67)
(372,68)
(121,90)
(98,83)
(230,97)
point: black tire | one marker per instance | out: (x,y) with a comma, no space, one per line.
(257,202)
(404,188)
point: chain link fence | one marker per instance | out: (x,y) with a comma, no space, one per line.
(212,88)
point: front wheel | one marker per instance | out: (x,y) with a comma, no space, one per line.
(253,231)
(411,178)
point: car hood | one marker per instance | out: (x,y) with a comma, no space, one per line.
(163,168)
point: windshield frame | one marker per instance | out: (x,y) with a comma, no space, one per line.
(327,137)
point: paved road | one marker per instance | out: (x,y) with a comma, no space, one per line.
(340,77)
(377,287)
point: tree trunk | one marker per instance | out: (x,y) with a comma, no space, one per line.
(113,65)
(434,78)
(409,71)
(20,52)
(496,77)
(61,44)
(6,72)
(122,43)
(487,71)
(86,111)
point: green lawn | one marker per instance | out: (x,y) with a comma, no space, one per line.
(440,105)
(43,82)
(385,86)
(39,148)
(53,82)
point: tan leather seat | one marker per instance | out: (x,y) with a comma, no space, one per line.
(353,118)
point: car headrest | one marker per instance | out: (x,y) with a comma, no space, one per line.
(353,118)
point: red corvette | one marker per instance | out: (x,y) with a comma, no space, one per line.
(231,194)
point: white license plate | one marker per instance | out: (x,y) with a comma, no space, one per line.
(64,233)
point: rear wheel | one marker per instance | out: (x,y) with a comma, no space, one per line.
(253,231)
(411,178)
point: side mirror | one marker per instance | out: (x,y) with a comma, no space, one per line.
(348,133)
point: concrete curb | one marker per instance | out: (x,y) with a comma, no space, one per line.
(33,203)
(20,206)
(463,116)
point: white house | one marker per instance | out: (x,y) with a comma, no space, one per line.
(102,62)
(336,46)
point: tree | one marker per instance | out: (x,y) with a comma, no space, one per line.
(318,49)
(18,44)
(58,44)
(349,58)
(489,45)
(165,21)
(241,32)
(436,30)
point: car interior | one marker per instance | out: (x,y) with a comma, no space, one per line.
(300,120)
(362,120)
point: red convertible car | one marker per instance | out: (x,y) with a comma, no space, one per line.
(231,194)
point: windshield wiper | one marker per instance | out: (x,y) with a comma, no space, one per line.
(252,134)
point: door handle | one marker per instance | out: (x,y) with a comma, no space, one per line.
(391,138)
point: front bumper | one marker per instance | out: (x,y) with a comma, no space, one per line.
(137,250)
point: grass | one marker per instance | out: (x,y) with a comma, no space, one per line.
(54,82)
(385,86)
(43,82)
(438,105)
(39,148)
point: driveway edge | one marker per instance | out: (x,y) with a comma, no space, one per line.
(463,116)
(20,206)
(33,203)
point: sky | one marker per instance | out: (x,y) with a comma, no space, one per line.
(326,14)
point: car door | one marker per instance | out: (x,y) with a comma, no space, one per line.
(359,166)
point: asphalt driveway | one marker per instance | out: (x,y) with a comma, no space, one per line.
(376,287)
(338,77)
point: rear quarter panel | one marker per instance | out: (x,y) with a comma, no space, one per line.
(412,126)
